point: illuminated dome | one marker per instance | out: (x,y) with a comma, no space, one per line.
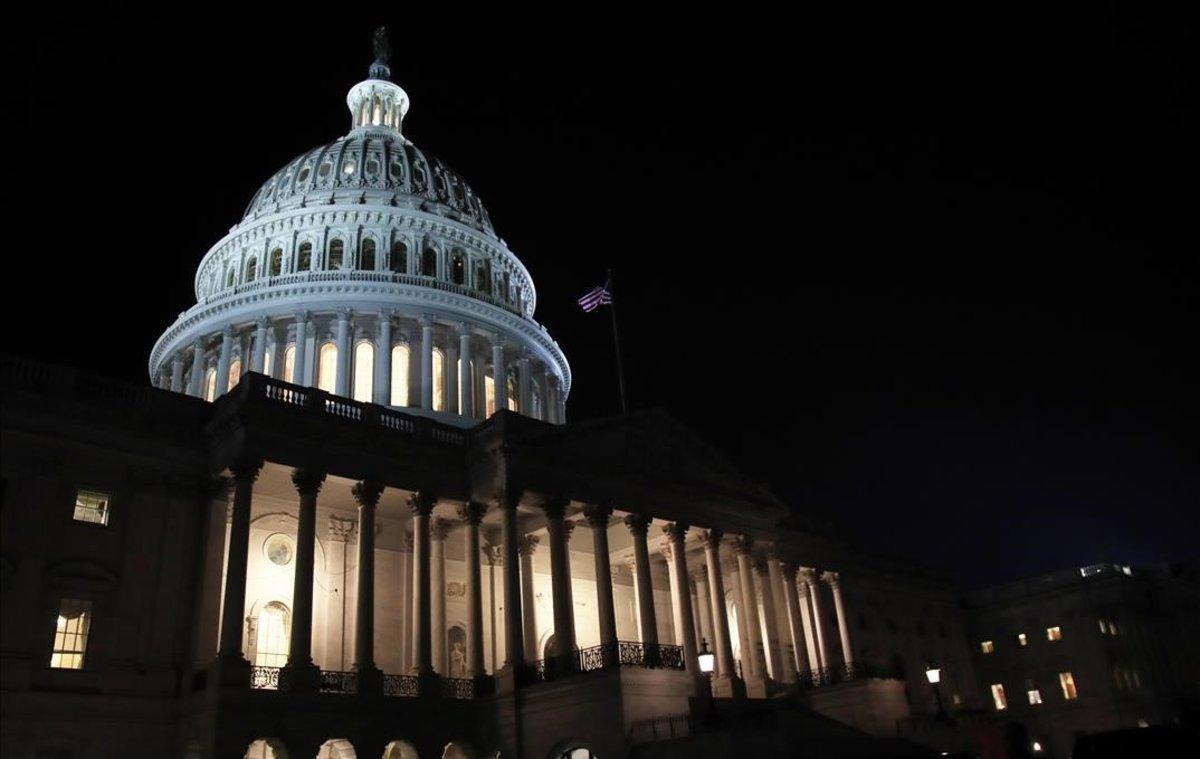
(369,269)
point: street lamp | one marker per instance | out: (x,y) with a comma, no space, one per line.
(706,660)
(934,676)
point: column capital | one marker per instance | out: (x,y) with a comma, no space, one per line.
(472,512)
(426,321)
(263,321)
(308,481)
(712,537)
(198,344)
(638,524)
(463,329)
(246,469)
(367,492)
(743,545)
(807,575)
(527,544)
(493,555)
(227,331)
(597,515)
(676,531)
(422,502)
(303,315)
(386,315)
(439,528)
(344,313)
(667,551)
(340,529)
(568,528)
(556,506)
(833,578)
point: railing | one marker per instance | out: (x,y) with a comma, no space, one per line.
(264,678)
(623,653)
(458,687)
(339,682)
(406,686)
(663,727)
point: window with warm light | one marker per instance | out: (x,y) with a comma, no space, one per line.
(439,380)
(1033,692)
(364,371)
(276,263)
(267,362)
(272,638)
(399,395)
(998,697)
(289,364)
(1053,633)
(327,359)
(1022,639)
(489,395)
(1067,681)
(304,257)
(513,404)
(235,374)
(71,633)
(252,270)
(91,506)
(210,385)
(399,260)
(337,254)
(987,646)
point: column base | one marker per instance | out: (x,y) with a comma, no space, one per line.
(370,680)
(300,678)
(230,671)
(728,686)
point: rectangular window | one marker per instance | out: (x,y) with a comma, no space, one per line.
(998,697)
(1022,639)
(91,506)
(1035,696)
(71,633)
(1067,681)
(987,646)
(1054,633)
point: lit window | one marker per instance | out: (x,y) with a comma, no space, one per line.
(337,253)
(458,269)
(489,395)
(364,370)
(1143,723)
(1054,633)
(399,375)
(513,405)
(1112,628)
(1035,696)
(279,549)
(289,363)
(91,506)
(1067,681)
(439,380)
(327,360)
(252,270)
(210,385)
(998,697)
(987,646)
(71,633)
(1022,639)
(304,257)
(235,373)
(276,263)
(267,362)
(366,258)
(272,639)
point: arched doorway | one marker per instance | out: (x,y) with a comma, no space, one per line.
(271,638)
(400,750)
(266,748)
(550,649)
(336,748)
(457,750)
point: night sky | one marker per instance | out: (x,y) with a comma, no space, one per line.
(933,277)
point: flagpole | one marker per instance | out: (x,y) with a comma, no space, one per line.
(612,308)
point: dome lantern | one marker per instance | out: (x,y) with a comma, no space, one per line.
(377,102)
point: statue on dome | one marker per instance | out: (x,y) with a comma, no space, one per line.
(383,48)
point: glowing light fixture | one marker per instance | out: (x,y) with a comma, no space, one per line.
(933,674)
(706,658)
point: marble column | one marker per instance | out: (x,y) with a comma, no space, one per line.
(177,373)
(438,530)
(258,353)
(606,615)
(704,610)
(300,359)
(427,362)
(381,391)
(684,617)
(835,584)
(510,535)
(492,554)
(527,545)
(524,387)
(751,654)
(465,381)
(778,574)
(472,514)
(725,682)
(370,679)
(451,375)
(341,383)
(224,360)
(550,402)
(638,525)
(196,381)
(809,577)
(235,667)
(499,373)
(800,587)
(422,503)
(560,576)
(770,622)
(302,674)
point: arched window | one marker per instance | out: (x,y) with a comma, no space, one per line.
(577,753)
(489,395)
(399,262)
(458,269)
(304,257)
(513,405)
(230,278)
(289,364)
(251,269)
(483,282)
(210,385)
(267,352)
(327,359)
(337,254)
(457,750)
(274,627)
(276,263)
(235,373)
(366,257)
(429,263)
(439,380)
(364,371)
(399,396)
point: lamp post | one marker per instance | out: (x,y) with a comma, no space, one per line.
(707,659)
(934,676)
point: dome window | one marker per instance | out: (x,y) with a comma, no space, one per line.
(304,257)
(276,263)
(367,255)
(230,278)
(372,167)
(458,269)
(483,282)
(399,262)
(303,177)
(251,269)
(429,263)
(348,166)
(399,389)
(364,371)
(325,168)
(337,253)
(397,168)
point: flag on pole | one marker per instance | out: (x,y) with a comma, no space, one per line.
(596,298)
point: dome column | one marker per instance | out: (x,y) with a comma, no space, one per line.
(300,359)
(809,579)
(259,354)
(839,608)
(427,362)
(451,372)
(472,513)
(223,361)
(342,382)
(177,373)
(382,387)
(524,387)
(499,391)
(196,383)
(466,405)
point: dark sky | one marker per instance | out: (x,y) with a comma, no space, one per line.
(931,276)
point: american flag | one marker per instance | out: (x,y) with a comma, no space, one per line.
(596,298)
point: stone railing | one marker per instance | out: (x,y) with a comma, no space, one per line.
(406,686)
(333,681)
(620,654)
(264,678)
(458,687)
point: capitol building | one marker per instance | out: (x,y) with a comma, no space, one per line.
(349,517)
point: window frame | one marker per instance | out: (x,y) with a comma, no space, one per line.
(108,492)
(89,607)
